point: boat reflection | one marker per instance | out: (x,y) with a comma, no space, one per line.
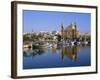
(32,52)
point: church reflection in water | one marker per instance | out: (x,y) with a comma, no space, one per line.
(70,52)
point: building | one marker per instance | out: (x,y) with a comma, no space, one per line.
(70,32)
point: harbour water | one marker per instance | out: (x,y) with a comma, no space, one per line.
(54,57)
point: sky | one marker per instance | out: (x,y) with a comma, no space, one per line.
(51,20)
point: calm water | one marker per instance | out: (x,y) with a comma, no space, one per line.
(57,57)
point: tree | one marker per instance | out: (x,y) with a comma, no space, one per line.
(26,37)
(34,37)
(59,37)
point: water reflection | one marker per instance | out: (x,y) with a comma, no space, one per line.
(67,51)
(32,52)
(70,52)
(56,56)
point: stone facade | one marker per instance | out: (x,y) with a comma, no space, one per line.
(70,32)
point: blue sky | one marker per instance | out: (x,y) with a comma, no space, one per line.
(51,21)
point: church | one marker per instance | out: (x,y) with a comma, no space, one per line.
(70,32)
